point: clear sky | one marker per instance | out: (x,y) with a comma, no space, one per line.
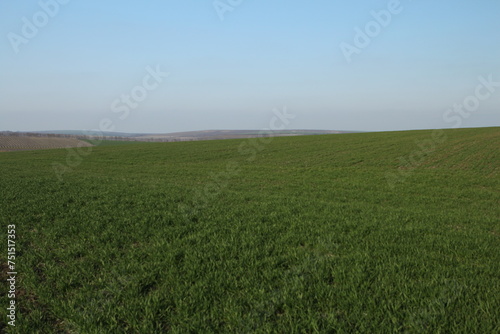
(70,64)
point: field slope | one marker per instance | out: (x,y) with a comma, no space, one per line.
(23,143)
(394,232)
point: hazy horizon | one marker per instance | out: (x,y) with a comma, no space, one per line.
(176,66)
(235,130)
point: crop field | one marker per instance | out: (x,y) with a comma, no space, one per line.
(395,232)
(19,143)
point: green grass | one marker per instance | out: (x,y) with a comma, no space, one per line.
(315,234)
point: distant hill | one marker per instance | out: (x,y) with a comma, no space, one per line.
(22,143)
(192,135)
(88,133)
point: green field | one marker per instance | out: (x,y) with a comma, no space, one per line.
(350,233)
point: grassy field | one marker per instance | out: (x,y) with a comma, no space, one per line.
(356,233)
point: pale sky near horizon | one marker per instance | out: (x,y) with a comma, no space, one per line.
(68,65)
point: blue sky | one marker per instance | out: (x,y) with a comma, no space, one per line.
(231,73)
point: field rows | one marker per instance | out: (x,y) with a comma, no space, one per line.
(17,143)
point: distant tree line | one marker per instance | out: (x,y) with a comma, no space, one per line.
(91,137)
